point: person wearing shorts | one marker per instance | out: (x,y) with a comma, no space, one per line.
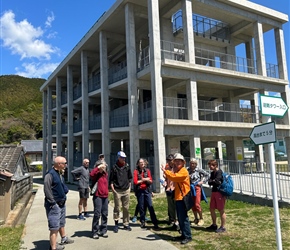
(82,175)
(217,200)
(55,198)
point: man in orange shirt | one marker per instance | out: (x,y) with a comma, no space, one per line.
(180,177)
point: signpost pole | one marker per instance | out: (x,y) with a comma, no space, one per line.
(274,192)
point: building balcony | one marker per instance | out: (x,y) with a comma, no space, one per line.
(77,125)
(95,122)
(94,83)
(77,91)
(117,72)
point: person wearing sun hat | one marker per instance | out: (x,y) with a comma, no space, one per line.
(120,181)
(180,177)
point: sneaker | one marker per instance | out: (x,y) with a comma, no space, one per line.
(143,225)
(200,222)
(212,227)
(195,221)
(87,215)
(95,236)
(221,230)
(81,217)
(66,240)
(105,235)
(128,228)
(134,219)
(58,247)
(156,227)
(116,229)
(185,241)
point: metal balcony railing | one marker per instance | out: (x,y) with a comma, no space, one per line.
(143,59)
(95,122)
(175,108)
(145,112)
(63,97)
(77,125)
(172,51)
(77,91)
(53,103)
(119,117)
(226,112)
(64,128)
(117,72)
(94,83)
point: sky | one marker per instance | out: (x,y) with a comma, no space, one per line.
(37,35)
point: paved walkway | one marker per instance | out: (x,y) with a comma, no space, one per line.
(36,233)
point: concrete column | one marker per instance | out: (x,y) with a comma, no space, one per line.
(281,54)
(287,144)
(44,133)
(220,151)
(260,50)
(132,85)
(188,36)
(195,148)
(70,113)
(49,126)
(156,87)
(285,96)
(192,100)
(85,105)
(106,141)
(58,116)
(250,57)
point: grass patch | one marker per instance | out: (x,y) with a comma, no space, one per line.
(10,237)
(248,226)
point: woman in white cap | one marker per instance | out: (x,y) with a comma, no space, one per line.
(182,186)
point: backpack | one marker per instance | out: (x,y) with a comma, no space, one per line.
(227,187)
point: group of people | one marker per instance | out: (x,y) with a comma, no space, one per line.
(178,182)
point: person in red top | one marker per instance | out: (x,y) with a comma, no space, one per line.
(142,182)
(100,200)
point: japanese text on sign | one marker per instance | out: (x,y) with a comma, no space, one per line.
(274,106)
(263,133)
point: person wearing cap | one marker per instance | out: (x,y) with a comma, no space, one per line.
(82,175)
(180,177)
(169,189)
(100,200)
(120,182)
(197,177)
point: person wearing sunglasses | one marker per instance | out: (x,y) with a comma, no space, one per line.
(55,192)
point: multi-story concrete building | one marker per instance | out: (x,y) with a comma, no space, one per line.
(160,76)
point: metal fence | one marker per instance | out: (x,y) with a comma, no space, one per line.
(253,178)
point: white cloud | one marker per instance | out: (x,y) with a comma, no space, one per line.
(36,70)
(49,20)
(23,39)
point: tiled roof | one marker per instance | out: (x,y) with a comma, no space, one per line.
(32,146)
(9,156)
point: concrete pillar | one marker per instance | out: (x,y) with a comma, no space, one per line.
(44,133)
(70,113)
(188,36)
(220,151)
(192,100)
(260,50)
(106,141)
(195,148)
(250,57)
(49,126)
(58,116)
(156,87)
(281,53)
(85,105)
(132,85)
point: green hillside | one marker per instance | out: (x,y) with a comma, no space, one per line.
(20,108)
